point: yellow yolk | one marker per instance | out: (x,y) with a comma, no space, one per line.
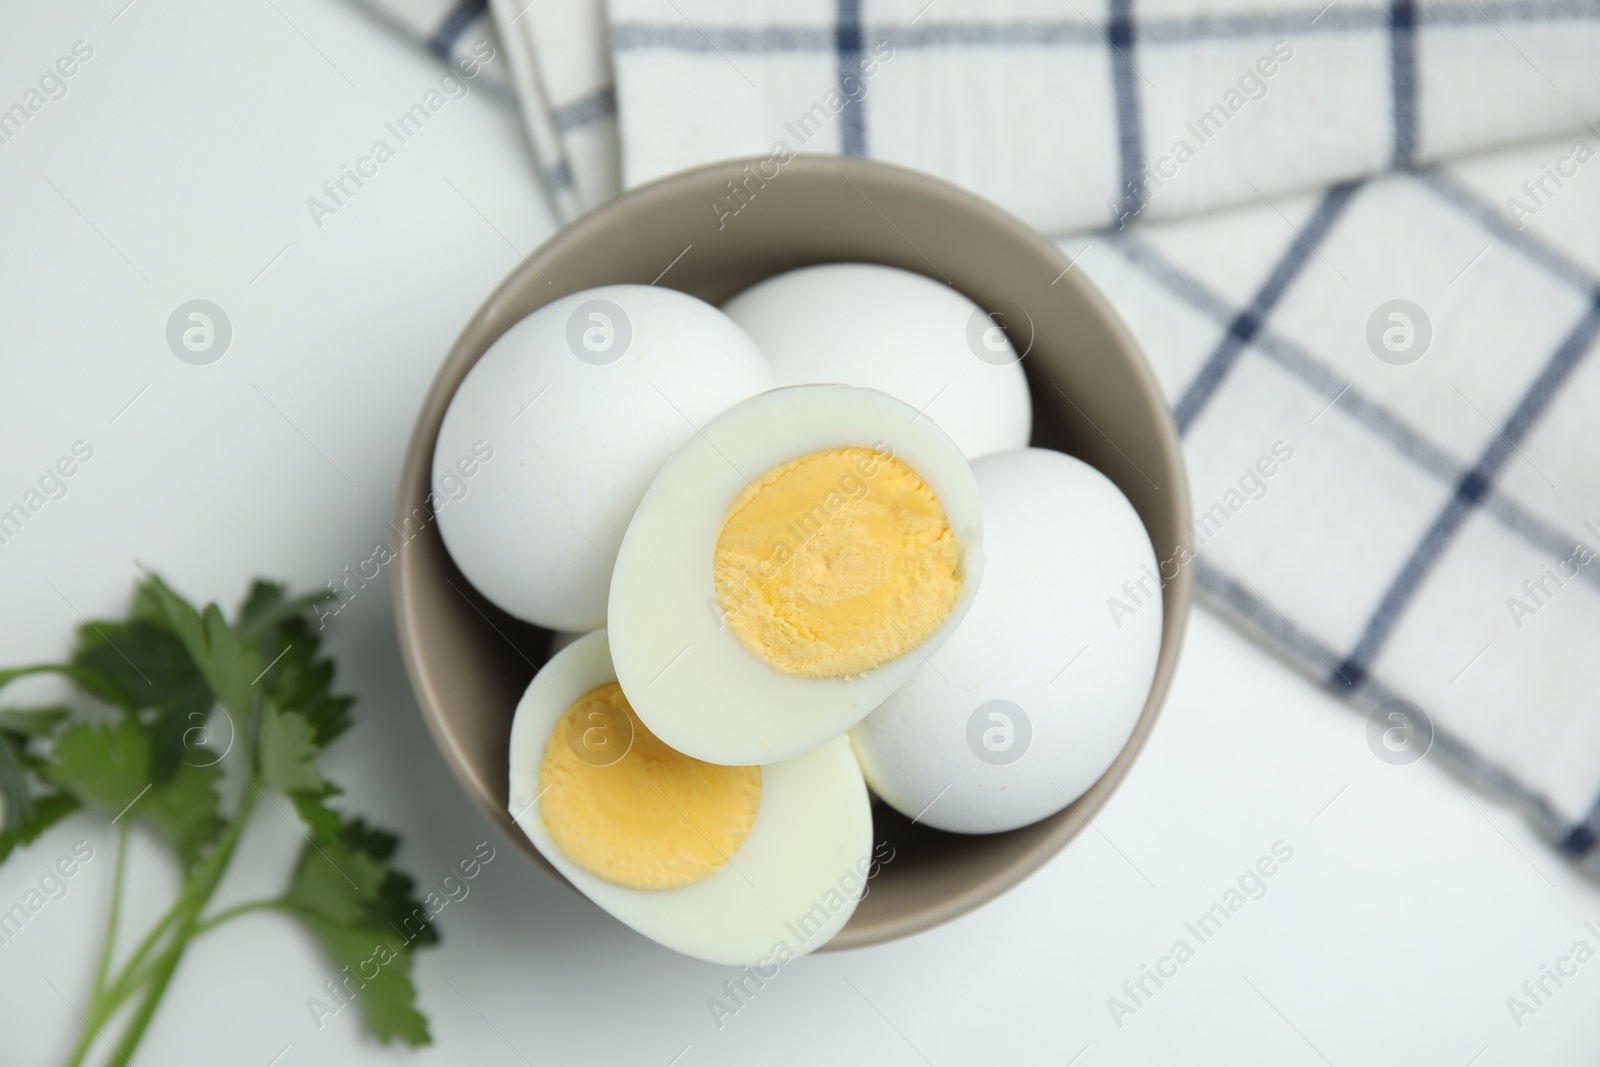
(651,819)
(835,563)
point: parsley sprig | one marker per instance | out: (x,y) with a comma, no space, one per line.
(159,762)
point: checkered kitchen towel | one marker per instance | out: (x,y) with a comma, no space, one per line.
(565,93)
(1391,303)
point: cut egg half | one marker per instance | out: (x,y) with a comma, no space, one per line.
(794,563)
(731,864)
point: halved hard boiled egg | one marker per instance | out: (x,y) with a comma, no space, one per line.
(730,864)
(792,565)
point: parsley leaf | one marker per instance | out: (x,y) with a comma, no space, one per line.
(285,747)
(322,820)
(336,881)
(14,784)
(48,810)
(26,815)
(298,679)
(107,767)
(32,722)
(142,664)
(228,665)
(355,905)
(184,809)
(268,606)
(381,970)
(395,906)
(178,733)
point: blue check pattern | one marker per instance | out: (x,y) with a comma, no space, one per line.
(1472,489)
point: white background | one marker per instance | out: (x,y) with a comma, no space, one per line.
(177,167)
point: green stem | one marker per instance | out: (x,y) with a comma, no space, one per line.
(207,878)
(161,974)
(234,912)
(98,1007)
(34,668)
(86,679)
(88,1033)
(126,982)
(116,912)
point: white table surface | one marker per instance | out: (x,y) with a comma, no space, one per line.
(177,167)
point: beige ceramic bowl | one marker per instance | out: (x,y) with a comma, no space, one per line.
(1093,394)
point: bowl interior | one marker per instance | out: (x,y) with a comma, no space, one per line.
(1093,395)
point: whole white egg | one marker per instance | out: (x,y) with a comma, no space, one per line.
(919,340)
(1034,695)
(577,406)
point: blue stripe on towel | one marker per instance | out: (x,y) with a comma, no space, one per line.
(1488,216)
(1125,91)
(1172,29)
(1470,489)
(1242,330)
(558,176)
(847,43)
(1403,78)
(933,34)
(679,38)
(588,108)
(454,25)
(1579,840)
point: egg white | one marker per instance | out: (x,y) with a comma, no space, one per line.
(1062,540)
(684,671)
(795,879)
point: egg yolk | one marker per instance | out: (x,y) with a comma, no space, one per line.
(835,563)
(651,819)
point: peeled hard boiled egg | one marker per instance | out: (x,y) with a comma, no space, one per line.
(581,403)
(791,566)
(916,339)
(731,864)
(1029,702)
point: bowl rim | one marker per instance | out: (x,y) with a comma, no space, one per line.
(1177,594)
